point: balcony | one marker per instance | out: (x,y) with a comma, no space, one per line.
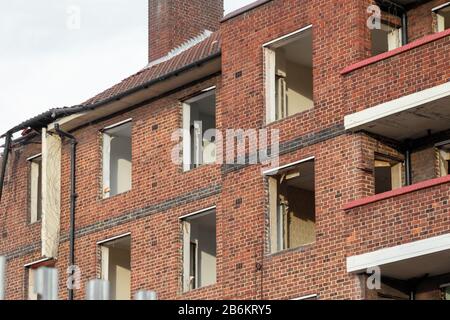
(417,66)
(406,234)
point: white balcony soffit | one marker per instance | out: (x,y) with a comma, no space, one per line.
(408,117)
(415,259)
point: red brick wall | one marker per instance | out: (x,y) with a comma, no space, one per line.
(162,193)
(173,22)
(406,218)
(415,70)
(420,20)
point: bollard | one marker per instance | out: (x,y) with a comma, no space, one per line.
(2,277)
(97,289)
(146,295)
(46,283)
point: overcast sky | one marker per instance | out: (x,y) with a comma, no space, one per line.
(50,58)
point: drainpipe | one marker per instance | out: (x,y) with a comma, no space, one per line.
(404,27)
(8,139)
(73,197)
(408,167)
(403,14)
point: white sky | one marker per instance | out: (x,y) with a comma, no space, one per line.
(46,61)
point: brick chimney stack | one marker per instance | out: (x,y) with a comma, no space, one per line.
(173,22)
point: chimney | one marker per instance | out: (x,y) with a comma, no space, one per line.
(173,22)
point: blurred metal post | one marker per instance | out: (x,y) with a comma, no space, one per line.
(46,283)
(146,295)
(97,289)
(2,277)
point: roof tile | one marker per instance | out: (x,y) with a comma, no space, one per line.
(204,49)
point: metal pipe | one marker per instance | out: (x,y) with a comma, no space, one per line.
(8,139)
(73,197)
(408,167)
(405,39)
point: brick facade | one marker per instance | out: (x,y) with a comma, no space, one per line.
(172,22)
(162,193)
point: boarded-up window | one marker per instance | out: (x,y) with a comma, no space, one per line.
(292,207)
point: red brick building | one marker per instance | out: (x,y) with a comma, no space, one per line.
(361,189)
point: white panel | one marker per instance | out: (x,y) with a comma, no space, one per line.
(2,277)
(440,23)
(106,165)
(406,251)
(186,255)
(105,262)
(34,191)
(32,295)
(395,106)
(51,193)
(186,137)
(270,64)
(394,39)
(198,143)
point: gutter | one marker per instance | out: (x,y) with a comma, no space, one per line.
(146,85)
(50,116)
(5,161)
(73,198)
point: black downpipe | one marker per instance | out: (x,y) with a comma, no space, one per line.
(405,39)
(408,167)
(73,197)
(8,139)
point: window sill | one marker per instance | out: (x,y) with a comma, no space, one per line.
(397,192)
(389,54)
(276,122)
(303,248)
(115,196)
(206,165)
(197,290)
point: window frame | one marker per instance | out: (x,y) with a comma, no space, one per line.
(274,228)
(445,291)
(270,74)
(106,158)
(435,11)
(388,28)
(30,269)
(187,254)
(186,124)
(35,200)
(104,250)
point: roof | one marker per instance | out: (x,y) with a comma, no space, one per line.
(208,47)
